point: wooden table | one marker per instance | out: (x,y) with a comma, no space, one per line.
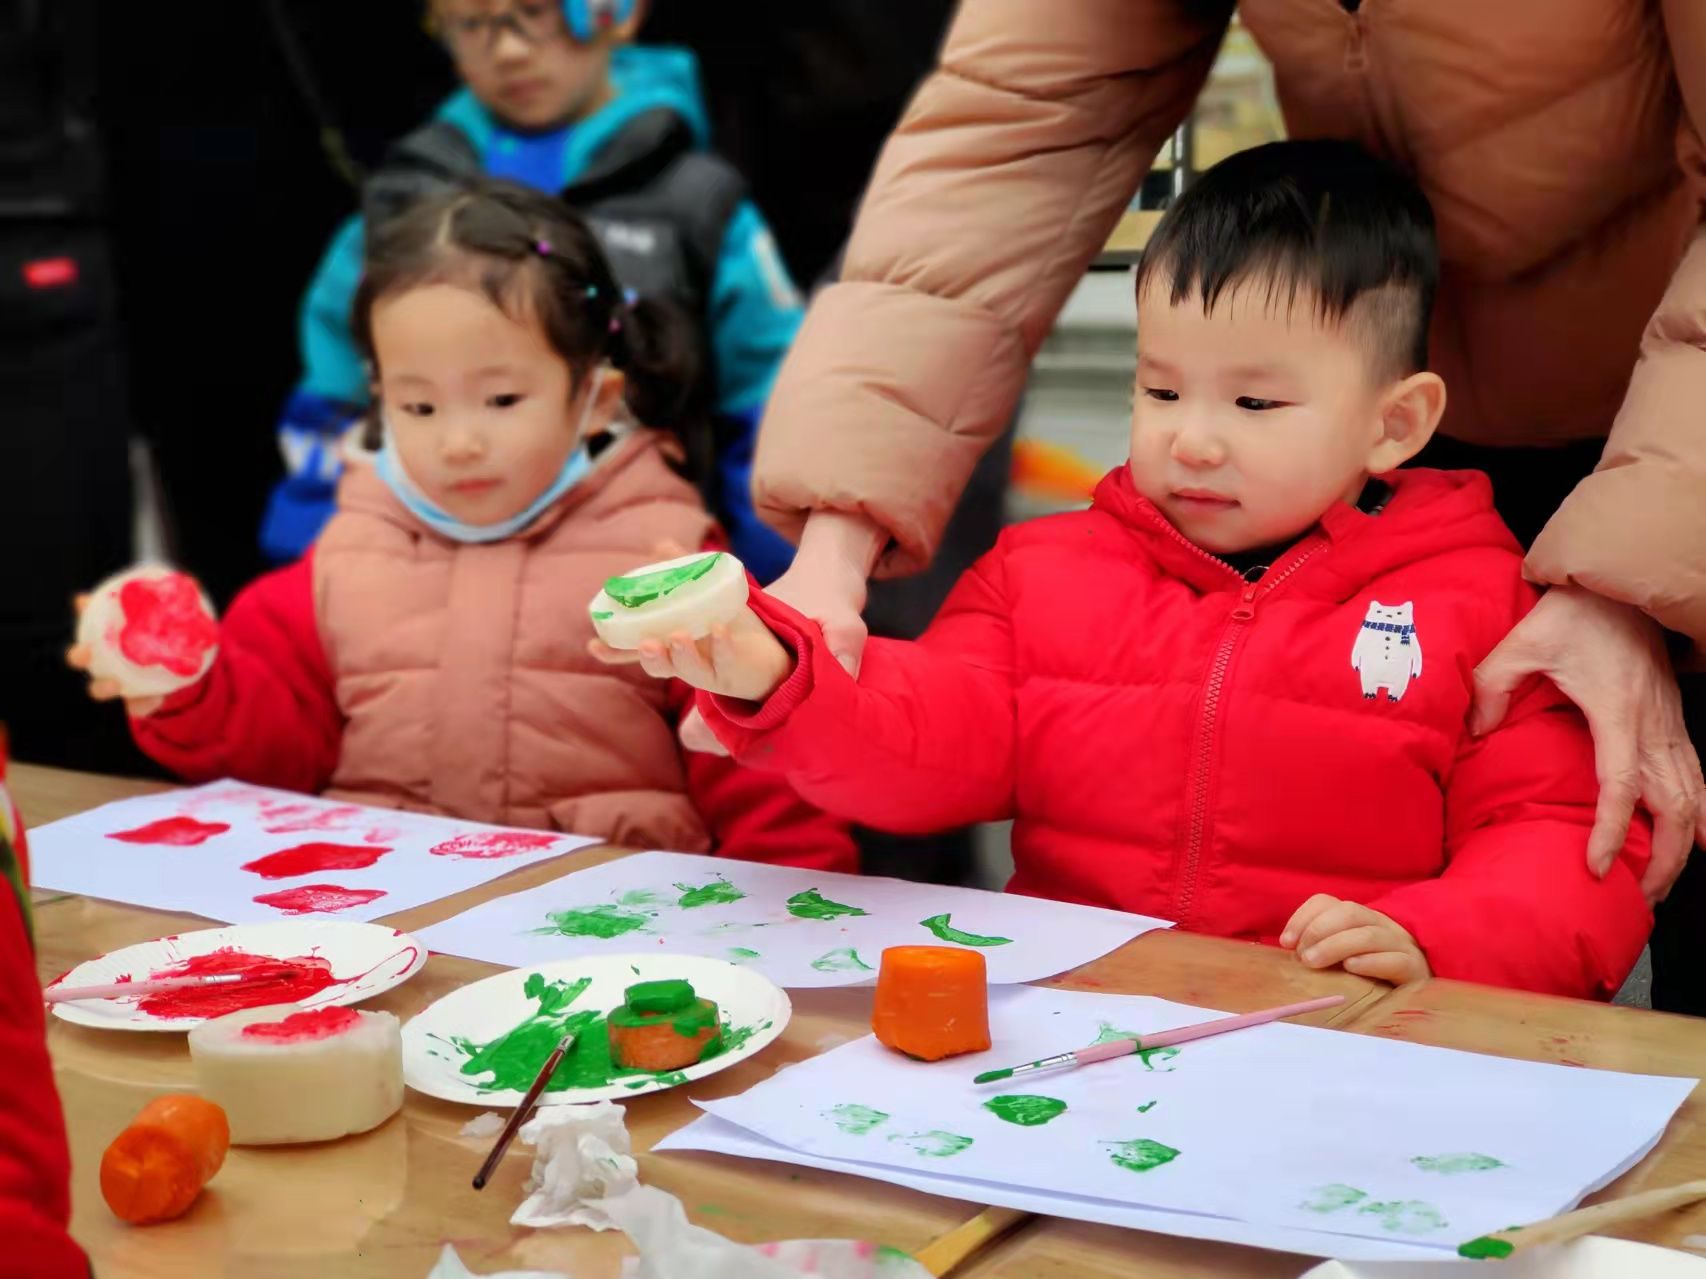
(384,1203)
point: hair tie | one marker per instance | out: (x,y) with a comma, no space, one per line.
(592,290)
(543,247)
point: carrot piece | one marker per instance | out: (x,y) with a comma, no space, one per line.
(932,1001)
(156,1167)
(664,1040)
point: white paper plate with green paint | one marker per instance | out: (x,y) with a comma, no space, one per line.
(484,1044)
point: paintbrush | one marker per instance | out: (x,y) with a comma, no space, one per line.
(528,1101)
(1161,1039)
(139,989)
(1583,1221)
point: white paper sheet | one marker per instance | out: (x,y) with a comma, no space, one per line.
(1283,1127)
(799,928)
(205,851)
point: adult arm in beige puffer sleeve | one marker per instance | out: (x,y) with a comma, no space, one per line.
(997,188)
(1635,530)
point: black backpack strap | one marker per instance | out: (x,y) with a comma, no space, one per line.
(433,157)
(703,190)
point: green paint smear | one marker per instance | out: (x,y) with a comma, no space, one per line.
(602,615)
(719,892)
(666,996)
(1332,1198)
(934,1144)
(1146,1107)
(643,588)
(641,897)
(1140,1155)
(845,960)
(596,921)
(1452,1165)
(1024,1110)
(944,931)
(888,1257)
(734,1037)
(1108,1034)
(1405,1217)
(740,955)
(813,905)
(513,1059)
(1486,1248)
(855,1120)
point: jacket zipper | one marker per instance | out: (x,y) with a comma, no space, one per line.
(1244,612)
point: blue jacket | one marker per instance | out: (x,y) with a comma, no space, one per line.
(752,312)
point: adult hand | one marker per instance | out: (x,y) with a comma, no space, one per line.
(1325,931)
(827,580)
(1610,660)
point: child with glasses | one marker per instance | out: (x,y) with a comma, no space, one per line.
(555,96)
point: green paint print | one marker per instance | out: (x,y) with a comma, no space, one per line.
(1146,1107)
(945,931)
(845,960)
(1486,1248)
(513,1059)
(1140,1155)
(855,1120)
(934,1144)
(595,921)
(1453,1165)
(642,588)
(1026,1111)
(1405,1217)
(812,904)
(719,892)
(1332,1198)
(641,897)
(740,955)
(1108,1034)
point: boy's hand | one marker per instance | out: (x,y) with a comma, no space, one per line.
(78,657)
(1326,931)
(742,660)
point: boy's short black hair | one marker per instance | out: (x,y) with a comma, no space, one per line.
(1322,217)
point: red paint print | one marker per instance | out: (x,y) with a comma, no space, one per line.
(310,898)
(302,1028)
(494,844)
(287,981)
(165,624)
(174,832)
(298,819)
(312,859)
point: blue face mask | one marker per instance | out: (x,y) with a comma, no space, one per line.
(389,468)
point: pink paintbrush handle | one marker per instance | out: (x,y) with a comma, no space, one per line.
(1219,1026)
(135,989)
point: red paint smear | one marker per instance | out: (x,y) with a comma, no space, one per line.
(310,898)
(297,819)
(176,832)
(291,981)
(502,843)
(381,835)
(311,859)
(301,1028)
(165,624)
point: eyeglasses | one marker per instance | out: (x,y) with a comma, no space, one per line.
(535,21)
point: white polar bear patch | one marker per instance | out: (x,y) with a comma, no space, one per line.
(1387,652)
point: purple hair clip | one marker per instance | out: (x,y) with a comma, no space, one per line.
(544,248)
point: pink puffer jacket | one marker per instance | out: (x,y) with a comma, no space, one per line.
(1552,136)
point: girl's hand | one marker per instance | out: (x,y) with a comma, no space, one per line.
(1326,931)
(742,660)
(78,657)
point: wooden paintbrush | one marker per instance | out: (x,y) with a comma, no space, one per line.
(1161,1039)
(1583,1221)
(528,1101)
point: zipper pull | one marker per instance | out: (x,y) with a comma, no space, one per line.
(1246,605)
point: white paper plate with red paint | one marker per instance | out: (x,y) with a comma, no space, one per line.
(331,962)
(444,1045)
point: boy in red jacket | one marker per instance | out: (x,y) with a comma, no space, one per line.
(1234,692)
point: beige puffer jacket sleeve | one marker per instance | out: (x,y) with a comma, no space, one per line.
(1635,530)
(997,188)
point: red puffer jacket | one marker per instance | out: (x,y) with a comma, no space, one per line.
(1172,740)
